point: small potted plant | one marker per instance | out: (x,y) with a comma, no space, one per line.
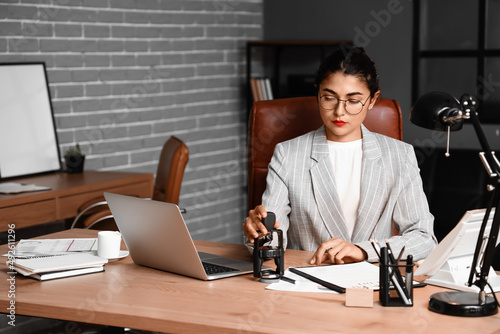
(74,159)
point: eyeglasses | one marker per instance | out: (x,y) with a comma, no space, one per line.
(351,106)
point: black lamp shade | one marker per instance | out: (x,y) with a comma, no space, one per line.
(430,108)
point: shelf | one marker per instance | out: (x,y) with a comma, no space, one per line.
(274,43)
(300,82)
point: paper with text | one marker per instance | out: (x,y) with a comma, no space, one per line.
(47,247)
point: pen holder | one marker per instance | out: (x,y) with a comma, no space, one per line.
(396,289)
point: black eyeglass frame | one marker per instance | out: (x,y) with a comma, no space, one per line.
(345,104)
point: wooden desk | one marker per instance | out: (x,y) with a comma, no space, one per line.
(68,192)
(127,295)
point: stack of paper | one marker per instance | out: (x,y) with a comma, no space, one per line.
(27,248)
(14,188)
(58,266)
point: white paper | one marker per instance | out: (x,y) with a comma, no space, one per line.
(14,188)
(46,247)
(352,275)
(58,263)
(301,285)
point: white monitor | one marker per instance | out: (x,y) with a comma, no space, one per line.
(28,141)
(449,264)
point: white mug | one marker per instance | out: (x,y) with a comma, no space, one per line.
(108,244)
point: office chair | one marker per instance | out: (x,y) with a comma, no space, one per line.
(170,171)
(274,121)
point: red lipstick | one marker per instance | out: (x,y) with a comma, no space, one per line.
(339,123)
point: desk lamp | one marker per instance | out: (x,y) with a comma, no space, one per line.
(442,112)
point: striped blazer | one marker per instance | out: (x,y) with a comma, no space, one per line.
(301,192)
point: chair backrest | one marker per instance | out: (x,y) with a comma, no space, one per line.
(172,163)
(274,121)
(95,214)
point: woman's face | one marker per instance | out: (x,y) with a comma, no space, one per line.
(340,125)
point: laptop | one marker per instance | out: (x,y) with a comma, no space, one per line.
(157,236)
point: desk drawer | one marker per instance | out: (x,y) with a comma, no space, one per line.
(29,214)
(70,205)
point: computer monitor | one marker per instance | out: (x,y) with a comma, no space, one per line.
(449,264)
(28,140)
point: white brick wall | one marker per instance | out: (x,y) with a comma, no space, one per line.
(125,75)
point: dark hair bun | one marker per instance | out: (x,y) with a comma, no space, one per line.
(350,60)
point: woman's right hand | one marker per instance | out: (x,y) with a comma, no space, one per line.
(253,223)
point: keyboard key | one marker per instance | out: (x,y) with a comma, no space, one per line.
(211,268)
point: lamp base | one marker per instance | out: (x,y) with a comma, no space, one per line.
(462,304)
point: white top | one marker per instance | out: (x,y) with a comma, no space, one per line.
(346,160)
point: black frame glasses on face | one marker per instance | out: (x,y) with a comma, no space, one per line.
(352,103)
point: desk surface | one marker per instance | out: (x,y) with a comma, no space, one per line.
(127,295)
(66,195)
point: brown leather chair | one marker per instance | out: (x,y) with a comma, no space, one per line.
(169,174)
(172,163)
(274,121)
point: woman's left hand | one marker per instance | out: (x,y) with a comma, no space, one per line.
(338,251)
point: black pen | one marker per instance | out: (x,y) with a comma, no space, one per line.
(408,273)
(326,284)
(400,255)
(396,271)
(287,279)
(375,248)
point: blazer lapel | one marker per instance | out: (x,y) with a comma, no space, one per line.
(324,189)
(372,191)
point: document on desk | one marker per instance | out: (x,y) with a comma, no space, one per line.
(15,188)
(47,247)
(352,275)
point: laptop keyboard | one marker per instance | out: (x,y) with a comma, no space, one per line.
(211,268)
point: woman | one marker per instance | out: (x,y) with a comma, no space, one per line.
(336,188)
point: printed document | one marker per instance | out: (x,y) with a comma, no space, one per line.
(46,247)
(351,275)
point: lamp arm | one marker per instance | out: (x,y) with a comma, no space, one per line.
(469,105)
(489,250)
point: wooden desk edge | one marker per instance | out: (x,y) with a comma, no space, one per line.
(7,200)
(153,318)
